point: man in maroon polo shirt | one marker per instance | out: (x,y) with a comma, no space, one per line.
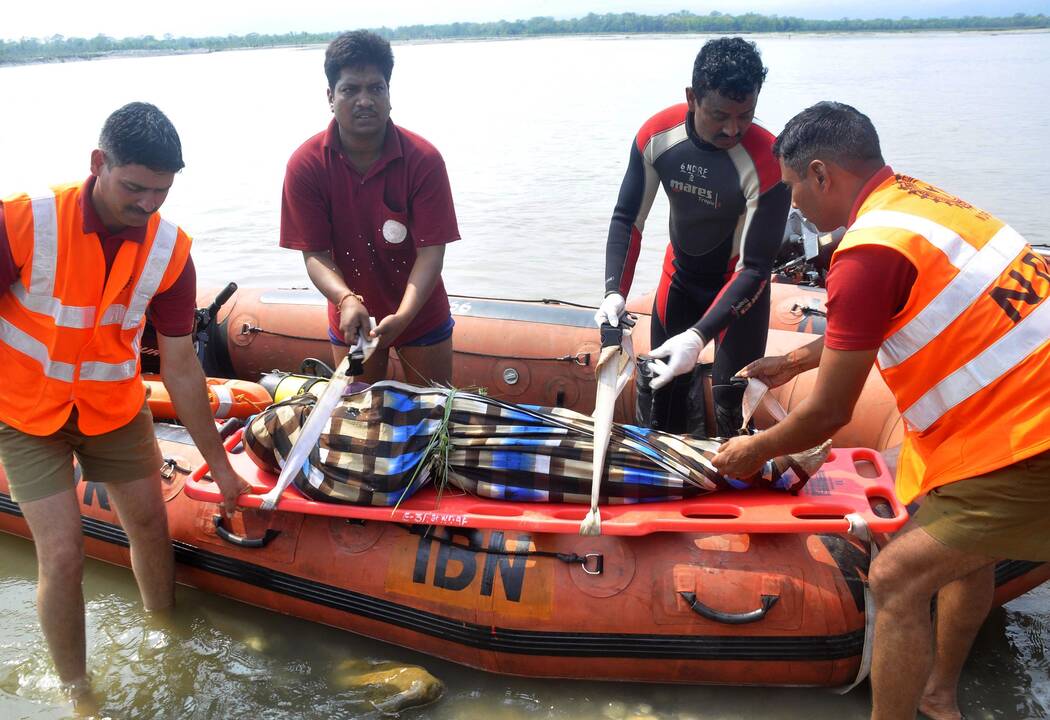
(369,205)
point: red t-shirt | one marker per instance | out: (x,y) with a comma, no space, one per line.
(867,286)
(328,206)
(171,311)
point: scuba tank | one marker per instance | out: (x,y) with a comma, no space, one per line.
(312,378)
(285,385)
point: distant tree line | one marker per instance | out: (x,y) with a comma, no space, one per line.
(58,47)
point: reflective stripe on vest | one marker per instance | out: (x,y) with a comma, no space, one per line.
(91,370)
(109,372)
(40,296)
(152,273)
(990,365)
(40,299)
(70,316)
(115,372)
(978,269)
(45,244)
(30,346)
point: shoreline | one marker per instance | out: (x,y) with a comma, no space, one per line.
(163,52)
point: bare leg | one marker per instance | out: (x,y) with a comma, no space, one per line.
(54,522)
(375,368)
(140,507)
(904,578)
(427,365)
(961,608)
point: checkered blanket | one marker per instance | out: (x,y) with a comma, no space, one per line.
(384,443)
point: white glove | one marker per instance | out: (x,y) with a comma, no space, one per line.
(682,351)
(610,310)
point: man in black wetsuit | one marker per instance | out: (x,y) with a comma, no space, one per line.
(728,210)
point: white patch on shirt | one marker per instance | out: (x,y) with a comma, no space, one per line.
(394,232)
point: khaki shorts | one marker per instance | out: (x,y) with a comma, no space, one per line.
(40,466)
(1002,514)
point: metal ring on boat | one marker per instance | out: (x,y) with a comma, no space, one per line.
(599,563)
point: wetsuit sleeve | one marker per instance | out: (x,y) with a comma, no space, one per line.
(763,232)
(637,192)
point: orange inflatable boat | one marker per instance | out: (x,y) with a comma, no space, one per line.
(710,607)
(737,588)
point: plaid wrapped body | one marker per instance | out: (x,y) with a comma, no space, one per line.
(384,443)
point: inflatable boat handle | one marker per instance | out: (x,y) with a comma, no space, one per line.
(743,618)
(243,542)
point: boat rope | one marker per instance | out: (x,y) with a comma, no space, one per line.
(592,563)
(249,329)
(541,301)
(583,359)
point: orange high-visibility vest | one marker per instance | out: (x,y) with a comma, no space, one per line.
(968,357)
(68,335)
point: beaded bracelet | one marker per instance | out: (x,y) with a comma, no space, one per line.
(349,293)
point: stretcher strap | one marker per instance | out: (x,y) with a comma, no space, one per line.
(858,527)
(757,395)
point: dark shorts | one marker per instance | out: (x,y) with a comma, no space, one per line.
(40,466)
(1002,514)
(438,335)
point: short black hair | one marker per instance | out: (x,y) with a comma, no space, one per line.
(832,132)
(731,66)
(357,49)
(140,134)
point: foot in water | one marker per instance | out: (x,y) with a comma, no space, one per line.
(80,693)
(939,706)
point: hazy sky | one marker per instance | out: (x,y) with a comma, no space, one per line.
(120,18)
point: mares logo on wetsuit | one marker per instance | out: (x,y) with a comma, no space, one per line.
(704,195)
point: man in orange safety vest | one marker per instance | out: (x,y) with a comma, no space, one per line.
(83,265)
(951,303)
